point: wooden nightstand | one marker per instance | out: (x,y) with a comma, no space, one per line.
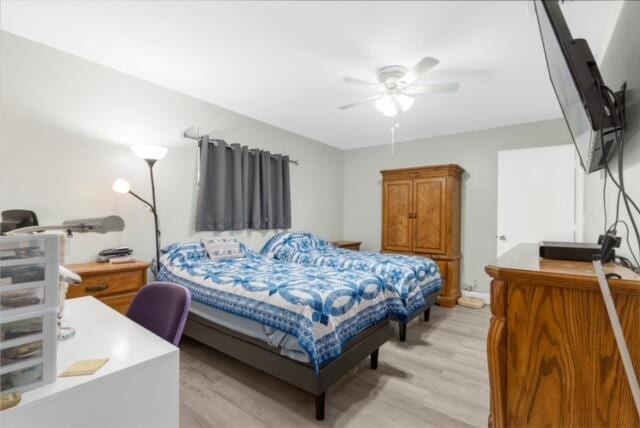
(349,245)
(115,285)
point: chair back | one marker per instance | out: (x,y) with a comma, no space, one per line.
(162,307)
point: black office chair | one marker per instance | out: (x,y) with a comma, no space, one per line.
(17,219)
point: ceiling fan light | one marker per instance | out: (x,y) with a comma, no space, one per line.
(405,102)
(387,106)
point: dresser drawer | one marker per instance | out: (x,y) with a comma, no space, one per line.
(120,303)
(107,284)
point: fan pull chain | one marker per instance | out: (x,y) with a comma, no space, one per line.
(395,127)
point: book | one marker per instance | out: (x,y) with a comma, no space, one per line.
(120,260)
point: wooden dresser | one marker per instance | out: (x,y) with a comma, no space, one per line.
(349,245)
(421,210)
(115,285)
(553,359)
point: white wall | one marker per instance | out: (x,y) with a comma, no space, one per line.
(65,127)
(476,152)
(621,63)
(66,123)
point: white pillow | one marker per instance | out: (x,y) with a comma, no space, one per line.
(222,248)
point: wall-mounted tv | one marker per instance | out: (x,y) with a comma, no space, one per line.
(579,87)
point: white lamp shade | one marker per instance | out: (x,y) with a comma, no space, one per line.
(149,152)
(404,101)
(387,106)
(121,186)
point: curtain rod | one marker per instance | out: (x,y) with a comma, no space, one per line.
(185,135)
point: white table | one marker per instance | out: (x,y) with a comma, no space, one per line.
(138,387)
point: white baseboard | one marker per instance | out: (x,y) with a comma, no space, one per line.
(483,296)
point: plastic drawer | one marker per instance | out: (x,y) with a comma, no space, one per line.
(22,379)
(28,350)
(28,273)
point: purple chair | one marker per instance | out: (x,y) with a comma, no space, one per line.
(162,307)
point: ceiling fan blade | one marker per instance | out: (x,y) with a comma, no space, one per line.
(364,101)
(431,88)
(359,82)
(466,76)
(418,70)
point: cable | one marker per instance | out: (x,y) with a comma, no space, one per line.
(624,223)
(619,139)
(620,109)
(604,202)
(619,143)
(622,191)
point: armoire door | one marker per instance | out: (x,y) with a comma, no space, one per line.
(429,195)
(397,233)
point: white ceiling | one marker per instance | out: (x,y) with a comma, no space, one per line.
(282,62)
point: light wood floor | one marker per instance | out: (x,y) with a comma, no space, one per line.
(438,378)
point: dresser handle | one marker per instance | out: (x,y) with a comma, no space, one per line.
(96,288)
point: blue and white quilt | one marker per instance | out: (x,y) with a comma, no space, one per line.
(322,308)
(413,278)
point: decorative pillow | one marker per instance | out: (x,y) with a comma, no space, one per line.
(223,248)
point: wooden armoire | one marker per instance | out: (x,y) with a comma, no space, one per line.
(421,216)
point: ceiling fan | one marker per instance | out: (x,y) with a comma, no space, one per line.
(397,85)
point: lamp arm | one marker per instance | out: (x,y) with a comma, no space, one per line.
(154,212)
(151,207)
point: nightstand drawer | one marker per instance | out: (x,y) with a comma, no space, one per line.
(120,303)
(348,245)
(107,284)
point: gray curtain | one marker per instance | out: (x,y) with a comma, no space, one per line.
(241,188)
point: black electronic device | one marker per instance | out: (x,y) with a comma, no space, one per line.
(575,251)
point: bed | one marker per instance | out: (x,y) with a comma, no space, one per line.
(306,325)
(416,281)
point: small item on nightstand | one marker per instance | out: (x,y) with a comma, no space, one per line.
(105,256)
(471,302)
(119,260)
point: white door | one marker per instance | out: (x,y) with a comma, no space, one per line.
(537,196)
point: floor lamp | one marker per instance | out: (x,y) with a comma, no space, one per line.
(150,154)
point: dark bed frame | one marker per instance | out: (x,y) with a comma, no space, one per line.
(426,310)
(260,355)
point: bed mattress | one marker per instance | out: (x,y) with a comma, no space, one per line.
(414,279)
(286,344)
(322,308)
